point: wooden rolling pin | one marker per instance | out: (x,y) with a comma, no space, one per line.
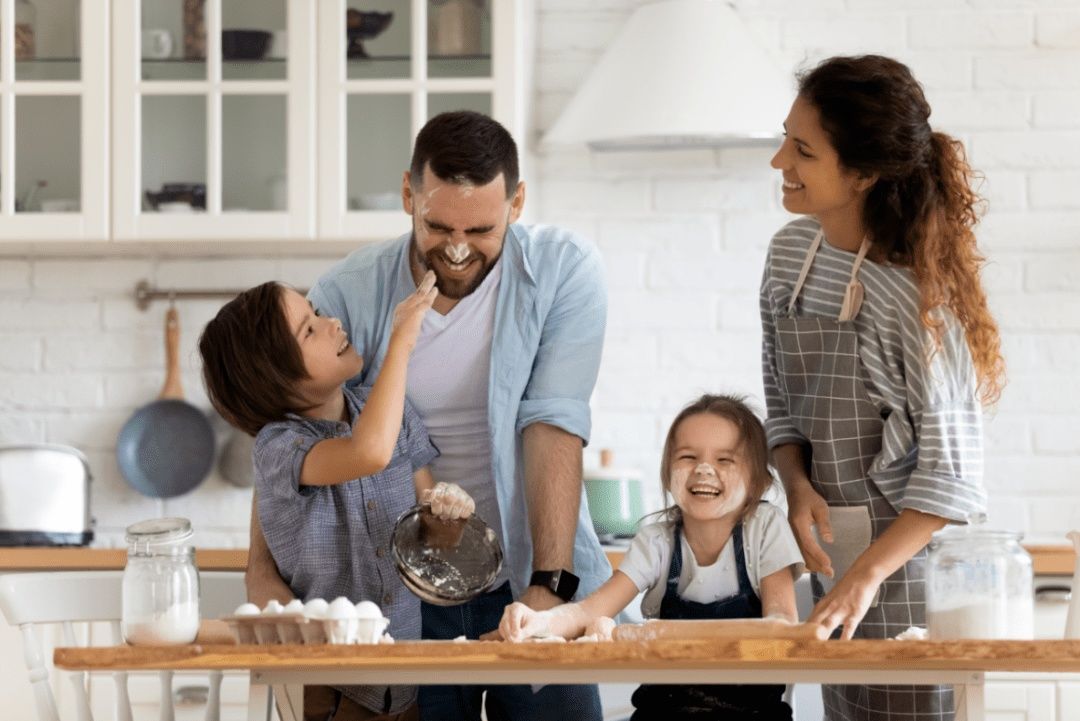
(720,628)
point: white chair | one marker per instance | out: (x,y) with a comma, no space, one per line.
(30,600)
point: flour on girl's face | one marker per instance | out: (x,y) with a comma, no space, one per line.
(709,476)
(702,492)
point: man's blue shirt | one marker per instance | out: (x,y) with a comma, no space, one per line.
(545,356)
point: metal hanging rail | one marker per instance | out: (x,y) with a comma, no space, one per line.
(145,294)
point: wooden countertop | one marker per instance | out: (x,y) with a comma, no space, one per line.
(1047,560)
(429,656)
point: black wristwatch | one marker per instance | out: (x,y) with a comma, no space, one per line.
(562,583)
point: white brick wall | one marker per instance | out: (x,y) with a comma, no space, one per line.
(1003,75)
(683,235)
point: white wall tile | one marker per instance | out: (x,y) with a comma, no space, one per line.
(958,30)
(1058,29)
(1056,108)
(1055,189)
(14,275)
(20,352)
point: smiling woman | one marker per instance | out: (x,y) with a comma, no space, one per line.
(877,349)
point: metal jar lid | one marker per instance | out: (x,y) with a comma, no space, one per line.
(159,532)
(445,562)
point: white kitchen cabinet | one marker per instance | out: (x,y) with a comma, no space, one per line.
(54,139)
(243,130)
(371,108)
(118,98)
(1019,700)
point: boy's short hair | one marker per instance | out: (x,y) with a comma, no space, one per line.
(251,361)
(465,147)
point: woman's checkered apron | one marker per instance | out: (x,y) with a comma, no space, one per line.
(823,379)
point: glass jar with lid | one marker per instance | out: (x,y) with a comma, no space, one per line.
(978,584)
(160,584)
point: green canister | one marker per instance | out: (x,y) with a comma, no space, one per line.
(615,498)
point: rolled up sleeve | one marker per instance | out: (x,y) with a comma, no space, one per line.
(946,422)
(567,360)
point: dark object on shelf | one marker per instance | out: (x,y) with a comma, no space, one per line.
(192,193)
(361,26)
(244,44)
(194,30)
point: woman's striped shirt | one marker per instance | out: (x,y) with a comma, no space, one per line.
(931,458)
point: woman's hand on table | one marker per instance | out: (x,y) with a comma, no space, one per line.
(806,510)
(846,604)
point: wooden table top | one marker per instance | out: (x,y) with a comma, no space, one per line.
(1047,560)
(771,654)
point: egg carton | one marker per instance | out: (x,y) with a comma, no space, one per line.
(298,628)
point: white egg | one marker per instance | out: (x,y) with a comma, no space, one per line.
(367,609)
(246,609)
(316,608)
(341,607)
(273,608)
(294,606)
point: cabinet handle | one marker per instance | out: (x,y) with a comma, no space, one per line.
(191,695)
(1056,594)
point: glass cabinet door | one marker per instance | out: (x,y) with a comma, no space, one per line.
(385,68)
(54,169)
(213,120)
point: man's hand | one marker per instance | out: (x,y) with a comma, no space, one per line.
(538,598)
(261,578)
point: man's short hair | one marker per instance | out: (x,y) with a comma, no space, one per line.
(465,147)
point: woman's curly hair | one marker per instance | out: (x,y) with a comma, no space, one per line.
(922,210)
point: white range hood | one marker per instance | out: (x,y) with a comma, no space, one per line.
(681,73)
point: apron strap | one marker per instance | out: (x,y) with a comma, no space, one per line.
(853,294)
(805,270)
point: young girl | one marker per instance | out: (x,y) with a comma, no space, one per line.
(334,466)
(878,348)
(718,552)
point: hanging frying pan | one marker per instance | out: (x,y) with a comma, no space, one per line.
(167,447)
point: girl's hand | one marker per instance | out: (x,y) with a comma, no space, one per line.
(449,501)
(601,627)
(846,603)
(409,314)
(807,509)
(519,623)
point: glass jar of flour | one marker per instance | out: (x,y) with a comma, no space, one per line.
(978,584)
(161,584)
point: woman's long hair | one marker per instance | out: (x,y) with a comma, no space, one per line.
(922,210)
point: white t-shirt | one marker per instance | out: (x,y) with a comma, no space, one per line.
(768,546)
(448,385)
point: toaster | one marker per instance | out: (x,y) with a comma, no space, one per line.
(44,496)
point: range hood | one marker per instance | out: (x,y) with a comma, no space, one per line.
(681,73)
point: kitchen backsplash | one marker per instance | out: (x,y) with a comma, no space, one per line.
(683,235)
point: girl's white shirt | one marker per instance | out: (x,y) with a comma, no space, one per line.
(768,546)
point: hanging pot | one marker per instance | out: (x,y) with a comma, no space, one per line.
(166,448)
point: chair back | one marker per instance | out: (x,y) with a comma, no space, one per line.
(31,600)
